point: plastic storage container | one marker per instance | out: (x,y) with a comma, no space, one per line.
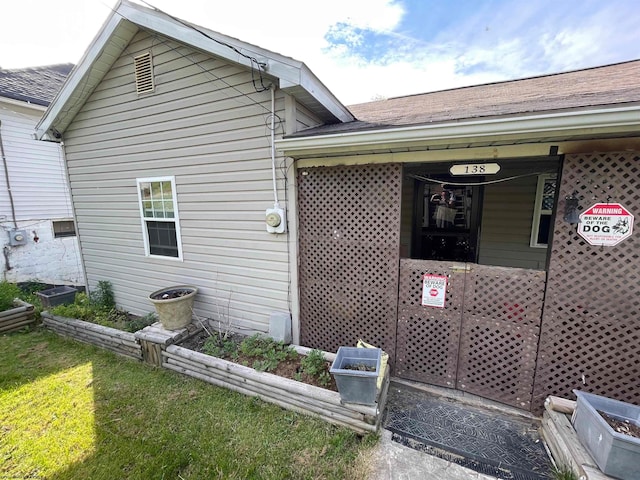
(616,454)
(57,296)
(357,386)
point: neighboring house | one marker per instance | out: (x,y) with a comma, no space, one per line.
(181,144)
(36,214)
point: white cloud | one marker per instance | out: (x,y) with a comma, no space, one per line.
(497,40)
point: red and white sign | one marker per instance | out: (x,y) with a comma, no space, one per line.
(434,290)
(605,224)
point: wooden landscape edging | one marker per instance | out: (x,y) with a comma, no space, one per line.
(118,341)
(284,392)
(16,318)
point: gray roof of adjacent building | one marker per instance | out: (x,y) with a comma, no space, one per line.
(37,85)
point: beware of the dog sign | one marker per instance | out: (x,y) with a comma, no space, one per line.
(434,290)
(605,224)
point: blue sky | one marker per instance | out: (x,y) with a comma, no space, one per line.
(366,49)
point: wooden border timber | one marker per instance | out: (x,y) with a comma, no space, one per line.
(16,318)
(118,341)
(284,392)
(563,442)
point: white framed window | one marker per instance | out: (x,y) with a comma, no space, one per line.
(543,211)
(159,214)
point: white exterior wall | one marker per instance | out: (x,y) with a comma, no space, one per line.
(205,125)
(40,194)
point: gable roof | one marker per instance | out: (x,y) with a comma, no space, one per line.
(128,18)
(600,101)
(37,85)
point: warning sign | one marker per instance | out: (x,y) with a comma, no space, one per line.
(434,290)
(605,224)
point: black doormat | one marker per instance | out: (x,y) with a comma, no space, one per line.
(506,447)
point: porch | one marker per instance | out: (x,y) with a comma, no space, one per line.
(518,313)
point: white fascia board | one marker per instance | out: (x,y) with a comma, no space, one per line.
(315,87)
(528,127)
(84,66)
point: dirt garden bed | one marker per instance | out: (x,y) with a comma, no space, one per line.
(288,391)
(291,366)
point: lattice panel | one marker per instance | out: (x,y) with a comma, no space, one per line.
(500,333)
(427,346)
(349,236)
(591,323)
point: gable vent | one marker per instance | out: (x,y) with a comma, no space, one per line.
(144,73)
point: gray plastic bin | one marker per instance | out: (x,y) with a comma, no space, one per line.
(57,296)
(357,386)
(616,454)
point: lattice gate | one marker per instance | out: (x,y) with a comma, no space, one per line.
(484,341)
(349,240)
(591,327)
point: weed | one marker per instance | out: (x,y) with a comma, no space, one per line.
(8,291)
(138,323)
(99,308)
(102,296)
(220,348)
(316,366)
(563,473)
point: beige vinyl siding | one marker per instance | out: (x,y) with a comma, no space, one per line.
(204,125)
(36,171)
(506,225)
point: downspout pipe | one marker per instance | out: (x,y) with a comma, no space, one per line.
(6,176)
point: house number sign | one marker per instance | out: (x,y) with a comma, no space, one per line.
(475,169)
(434,290)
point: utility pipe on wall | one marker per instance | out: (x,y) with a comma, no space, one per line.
(6,176)
(273,146)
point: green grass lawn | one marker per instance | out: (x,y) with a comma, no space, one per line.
(72,411)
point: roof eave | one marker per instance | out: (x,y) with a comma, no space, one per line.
(125,21)
(548,126)
(88,72)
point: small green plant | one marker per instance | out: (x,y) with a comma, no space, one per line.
(82,308)
(317,367)
(99,308)
(266,352)
(8,291)
(102,296)
(138,323)
(563,473)
(224,348)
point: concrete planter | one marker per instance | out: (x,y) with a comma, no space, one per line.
(616,454)
(174,305)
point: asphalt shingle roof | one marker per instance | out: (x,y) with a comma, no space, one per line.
(607,85)
(38,85)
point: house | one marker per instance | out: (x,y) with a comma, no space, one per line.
(196,158)
(36,214)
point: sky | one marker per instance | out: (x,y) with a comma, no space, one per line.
(364,50)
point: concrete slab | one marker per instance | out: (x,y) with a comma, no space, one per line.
(394,461)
